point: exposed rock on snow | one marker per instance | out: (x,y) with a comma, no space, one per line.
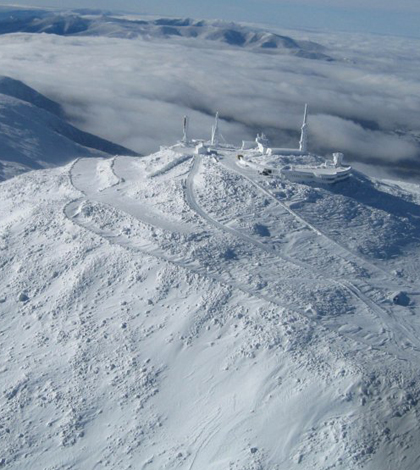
(23,297)
(400,298)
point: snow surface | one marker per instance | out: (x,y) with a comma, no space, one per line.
(176,311)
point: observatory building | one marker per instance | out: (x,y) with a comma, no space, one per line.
(300,172)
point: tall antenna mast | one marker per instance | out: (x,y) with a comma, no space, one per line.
(186,125)
(215,134)
(303,144)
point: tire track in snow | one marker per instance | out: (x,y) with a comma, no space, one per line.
(170,166)
(343,251)
(409,332)
(382,315)
(111,167)
(193,204)
(210,434)
(71,209)
(114,199)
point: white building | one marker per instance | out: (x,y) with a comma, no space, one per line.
(327,173)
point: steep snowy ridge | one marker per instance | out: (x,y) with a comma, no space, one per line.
(184,312)
(17,89)
(34,132)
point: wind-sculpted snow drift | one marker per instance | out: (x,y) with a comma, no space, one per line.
(182,312)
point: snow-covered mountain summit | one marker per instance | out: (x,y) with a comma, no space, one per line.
(34,132)
(179,311)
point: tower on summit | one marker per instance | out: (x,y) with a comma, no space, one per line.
(186,125)
(303,143)
(215,132)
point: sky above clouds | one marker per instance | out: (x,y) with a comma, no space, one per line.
(374,16)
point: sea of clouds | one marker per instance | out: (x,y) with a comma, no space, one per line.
(135,91)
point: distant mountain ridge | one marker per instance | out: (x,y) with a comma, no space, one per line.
(34,132)
(96,23)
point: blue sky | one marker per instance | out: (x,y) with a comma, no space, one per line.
(375,16)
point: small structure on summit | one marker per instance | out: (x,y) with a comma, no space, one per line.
(201,149)
(262,142)
(338,159)
(296,164)
(325,174)
(300,171)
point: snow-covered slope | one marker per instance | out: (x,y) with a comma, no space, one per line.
(180,312)
(94,23)
(34,132)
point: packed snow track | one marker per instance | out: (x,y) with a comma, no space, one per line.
(183,312)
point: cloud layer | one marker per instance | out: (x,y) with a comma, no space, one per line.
(135,92)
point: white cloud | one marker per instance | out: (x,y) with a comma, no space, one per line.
(346,136)
(135,92)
